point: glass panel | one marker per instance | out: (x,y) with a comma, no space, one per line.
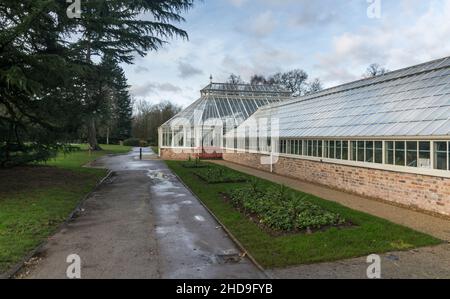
(379,152)
(319,154)
(361,151)
(441,155)
(390,152)
(310,148)
(300,144)
(315,148)
(369,151)
(345,150)
(325,148)
(338,149)
(400,153)
(411,154)
(332,149)
(354,150)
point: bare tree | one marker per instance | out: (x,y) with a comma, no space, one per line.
(295,81)
(149,117)
(314,86)
(375,70)
(258,80)
(235,79)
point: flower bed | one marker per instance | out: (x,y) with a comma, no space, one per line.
(194,163)
(281,210)
(218,175)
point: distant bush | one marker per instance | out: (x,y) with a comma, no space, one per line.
(135,142)
(219,175)
(194,163)
(19,154)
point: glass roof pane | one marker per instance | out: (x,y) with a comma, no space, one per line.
(411,101)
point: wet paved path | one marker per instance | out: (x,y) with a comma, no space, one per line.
(430,262)
(142,223)
(422,263)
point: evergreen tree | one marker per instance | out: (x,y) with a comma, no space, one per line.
(118,107)
(117,28)
(35,80)
(49,78)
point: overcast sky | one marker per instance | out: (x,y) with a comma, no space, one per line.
(333,40)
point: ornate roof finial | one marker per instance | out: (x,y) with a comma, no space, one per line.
(211,78)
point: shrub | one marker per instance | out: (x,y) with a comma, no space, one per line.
(218,175)
(136,142)
(281,210)
(194,163)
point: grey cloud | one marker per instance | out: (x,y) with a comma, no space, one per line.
(141,69)
(314,14)
(260,26)
(153,87)
(187,70)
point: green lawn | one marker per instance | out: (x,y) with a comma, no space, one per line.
(34,200)
(368,235)
(155,149)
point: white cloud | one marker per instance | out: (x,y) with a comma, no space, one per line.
(152,88)
(237,3)
(263,24)
(388,42)
(332,40)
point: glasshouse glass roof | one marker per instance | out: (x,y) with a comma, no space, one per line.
(230,103)
(414,101)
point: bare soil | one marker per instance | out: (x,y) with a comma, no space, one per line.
(29,178)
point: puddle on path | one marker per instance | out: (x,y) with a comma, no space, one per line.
(228,257)
(159,174)
(200,218)
(162,183)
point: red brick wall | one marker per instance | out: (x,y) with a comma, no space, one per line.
(414,190)
(184,154)
(169,154)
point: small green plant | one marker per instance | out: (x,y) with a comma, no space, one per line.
(254,184)
(194,163)
(281,210)
(218,175)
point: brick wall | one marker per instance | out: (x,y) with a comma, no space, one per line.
(414,190)
(169,154)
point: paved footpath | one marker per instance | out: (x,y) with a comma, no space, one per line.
(431,262)
(142,223)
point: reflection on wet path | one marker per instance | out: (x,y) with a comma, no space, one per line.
(191,243)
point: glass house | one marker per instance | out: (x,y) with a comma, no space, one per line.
(222,107)
(400,120)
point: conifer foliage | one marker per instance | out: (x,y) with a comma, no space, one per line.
(60,77)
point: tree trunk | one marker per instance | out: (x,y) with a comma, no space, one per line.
(92,136)
(92,129)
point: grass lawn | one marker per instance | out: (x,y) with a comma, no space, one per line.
(155,149)
(35,199)
(368,235)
